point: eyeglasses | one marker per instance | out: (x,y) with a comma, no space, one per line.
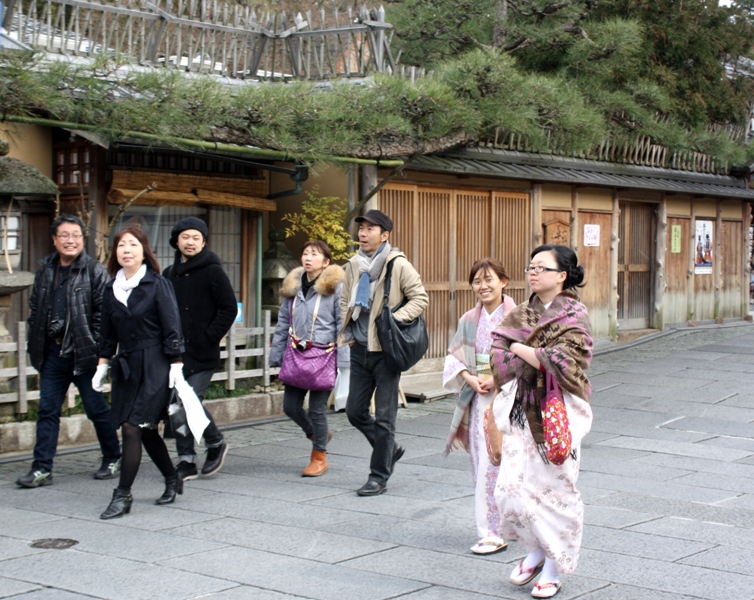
(69,236)
(540,269)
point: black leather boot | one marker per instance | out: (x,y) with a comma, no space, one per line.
(173,486)
(120,504)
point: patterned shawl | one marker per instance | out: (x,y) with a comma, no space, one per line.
(562,338)
(463,349)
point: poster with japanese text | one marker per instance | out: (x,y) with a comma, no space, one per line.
(703,256)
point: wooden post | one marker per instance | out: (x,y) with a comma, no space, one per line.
(746,254)
(23,400)
(574,219)
(661,248)
(352,200)
(690,308)
(614,241)
(452,263)
(266,348)
(536,217)
(230,365)
(368,183)
(717,263)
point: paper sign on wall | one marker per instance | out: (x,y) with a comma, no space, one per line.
(591,235)
(675,239)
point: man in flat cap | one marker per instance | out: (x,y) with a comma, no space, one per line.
(207,305)
(361,303)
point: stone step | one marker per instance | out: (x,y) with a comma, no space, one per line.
(634,334)
(424,387)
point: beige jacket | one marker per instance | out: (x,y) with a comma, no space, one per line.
(405,283)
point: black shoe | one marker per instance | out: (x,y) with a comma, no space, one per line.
(398,453)
(35,478)
(372,488)
(187,471)
(215,459)
(120,505)
(173,486)
(109,468)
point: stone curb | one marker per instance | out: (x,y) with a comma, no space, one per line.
(77,430)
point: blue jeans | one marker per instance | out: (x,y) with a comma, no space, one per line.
(370,374)
(54,380)
(199,381)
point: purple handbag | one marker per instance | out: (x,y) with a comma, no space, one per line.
(307,365)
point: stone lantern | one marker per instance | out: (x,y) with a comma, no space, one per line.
(276,264)
(17,182)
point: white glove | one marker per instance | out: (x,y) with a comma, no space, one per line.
(99,378)
(176,374)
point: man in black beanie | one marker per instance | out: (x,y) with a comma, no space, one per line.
(208,308)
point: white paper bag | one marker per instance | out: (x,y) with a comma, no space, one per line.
(342,383)
(195,415)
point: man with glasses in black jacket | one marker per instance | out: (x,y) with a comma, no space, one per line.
(63,326)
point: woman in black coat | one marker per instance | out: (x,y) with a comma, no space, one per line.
(140,317)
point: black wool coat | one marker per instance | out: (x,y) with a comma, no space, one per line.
(207,305)
(147,334)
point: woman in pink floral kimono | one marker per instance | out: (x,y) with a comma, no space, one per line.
(539,503)
(467,372)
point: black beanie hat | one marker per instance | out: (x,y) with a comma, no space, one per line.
(188,223)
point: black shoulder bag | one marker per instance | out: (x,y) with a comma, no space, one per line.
(403,342)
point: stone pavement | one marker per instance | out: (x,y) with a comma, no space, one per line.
(667,475)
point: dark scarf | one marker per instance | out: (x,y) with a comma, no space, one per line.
(306,285)
(562,337)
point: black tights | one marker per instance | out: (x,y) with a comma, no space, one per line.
(133,438)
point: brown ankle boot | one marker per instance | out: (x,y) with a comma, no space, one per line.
(317,465)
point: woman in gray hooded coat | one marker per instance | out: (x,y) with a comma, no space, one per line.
(314,286)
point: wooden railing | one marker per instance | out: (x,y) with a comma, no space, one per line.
(642,151)
(208,36)
(247,342)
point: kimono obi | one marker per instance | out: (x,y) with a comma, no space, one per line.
(483,368)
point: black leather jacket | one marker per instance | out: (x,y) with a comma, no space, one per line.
(86,284)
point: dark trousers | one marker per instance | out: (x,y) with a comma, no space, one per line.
(313,423)
(54,380)
(370,374)
(212,437)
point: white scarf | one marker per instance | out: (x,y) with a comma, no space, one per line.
(122,287)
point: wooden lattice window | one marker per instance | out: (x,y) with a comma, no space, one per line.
(72,165)
(14,232)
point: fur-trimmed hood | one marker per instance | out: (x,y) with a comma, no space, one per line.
(326,284)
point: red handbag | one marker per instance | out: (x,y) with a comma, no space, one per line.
(557,432)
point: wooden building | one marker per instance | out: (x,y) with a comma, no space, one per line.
(229,194)
(663,240)
(660,246)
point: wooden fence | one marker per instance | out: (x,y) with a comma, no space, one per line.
(248,342)
(208,36)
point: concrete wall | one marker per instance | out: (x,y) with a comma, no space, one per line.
(31,144)
(77,430)
(330,181)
